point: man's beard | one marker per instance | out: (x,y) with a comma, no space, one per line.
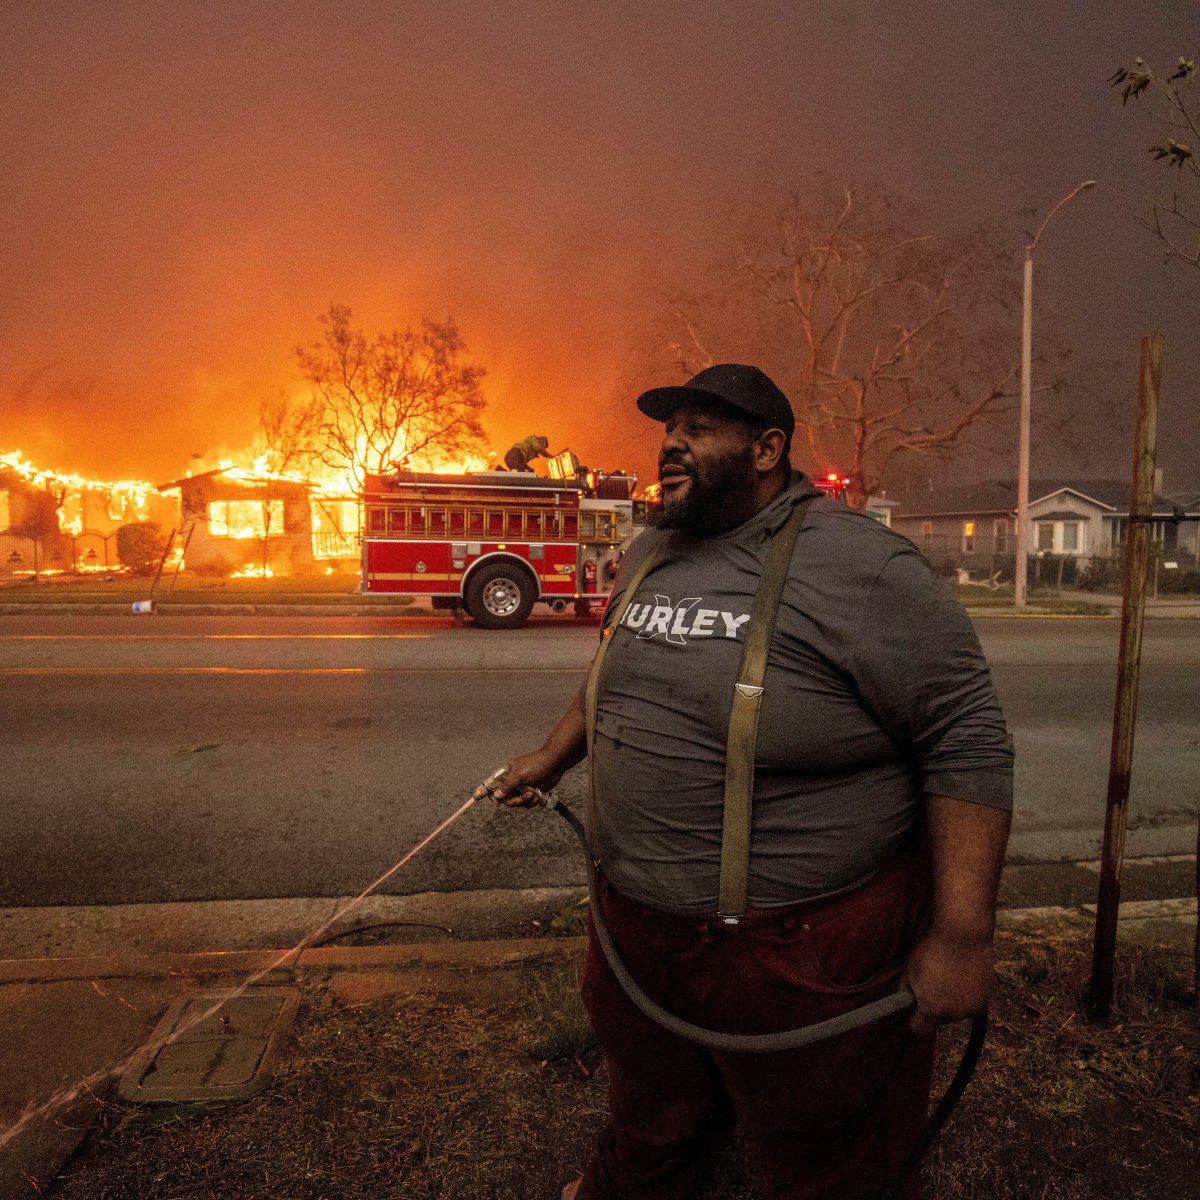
(720,499)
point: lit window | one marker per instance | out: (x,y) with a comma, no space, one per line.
(968,537)
(245,518)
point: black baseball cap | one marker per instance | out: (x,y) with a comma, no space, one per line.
(741,387)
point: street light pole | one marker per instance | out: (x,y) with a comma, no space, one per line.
(1019,577)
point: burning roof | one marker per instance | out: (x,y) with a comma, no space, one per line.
(81,501)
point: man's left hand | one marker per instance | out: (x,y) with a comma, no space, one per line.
(951,977)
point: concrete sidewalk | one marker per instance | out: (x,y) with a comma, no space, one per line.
(72,1025)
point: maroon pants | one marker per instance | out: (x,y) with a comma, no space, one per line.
(826,1122)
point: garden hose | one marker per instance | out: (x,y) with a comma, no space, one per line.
(899,1001)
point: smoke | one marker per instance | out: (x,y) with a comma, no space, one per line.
(187,187)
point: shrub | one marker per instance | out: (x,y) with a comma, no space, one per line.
(1101,575)
(1183,580)
(140,546)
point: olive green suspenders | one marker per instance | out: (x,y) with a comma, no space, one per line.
(743,718)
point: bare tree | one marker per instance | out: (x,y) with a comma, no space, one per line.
(284,447)
(286,438)
(392,400)
(1174,216)
(891,341)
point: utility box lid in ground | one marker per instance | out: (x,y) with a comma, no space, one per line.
(196,1054)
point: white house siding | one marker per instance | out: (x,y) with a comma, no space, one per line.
(1094,529)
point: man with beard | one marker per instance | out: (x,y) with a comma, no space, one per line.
(881,787)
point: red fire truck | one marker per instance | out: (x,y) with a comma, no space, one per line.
(832,484)
(497,542)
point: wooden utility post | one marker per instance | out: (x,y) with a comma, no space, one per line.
(1133,611)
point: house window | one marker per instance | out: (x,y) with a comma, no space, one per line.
(1045,536)
(1070,537)
(927,536)
(1000,533)
(244,518)
(968,541)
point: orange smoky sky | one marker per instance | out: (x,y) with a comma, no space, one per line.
(187,186)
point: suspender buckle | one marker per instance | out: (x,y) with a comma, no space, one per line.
(749,690)
(730,919)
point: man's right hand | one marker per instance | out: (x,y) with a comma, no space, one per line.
(526,777)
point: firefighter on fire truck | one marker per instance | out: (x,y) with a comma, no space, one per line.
(525,451)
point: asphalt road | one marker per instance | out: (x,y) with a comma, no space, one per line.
(149,759)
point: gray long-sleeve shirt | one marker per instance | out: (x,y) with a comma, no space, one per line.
(876,693)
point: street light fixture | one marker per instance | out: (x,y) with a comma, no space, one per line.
(1026,389)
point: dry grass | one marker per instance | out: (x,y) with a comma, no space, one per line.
(1064,1109)
(419,1098)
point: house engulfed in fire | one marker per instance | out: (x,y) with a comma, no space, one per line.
(57,521)
(234,521)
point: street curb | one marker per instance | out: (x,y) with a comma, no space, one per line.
(393,609)
(498,952)
(481,954)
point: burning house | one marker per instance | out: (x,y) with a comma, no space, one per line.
(235,521)
(55,522)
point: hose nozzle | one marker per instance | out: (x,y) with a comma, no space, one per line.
(497,777)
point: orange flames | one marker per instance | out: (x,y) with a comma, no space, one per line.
(87,506)
(123,500)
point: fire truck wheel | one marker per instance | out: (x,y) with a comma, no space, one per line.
(500,596)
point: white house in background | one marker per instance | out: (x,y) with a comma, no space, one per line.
(1071,517)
